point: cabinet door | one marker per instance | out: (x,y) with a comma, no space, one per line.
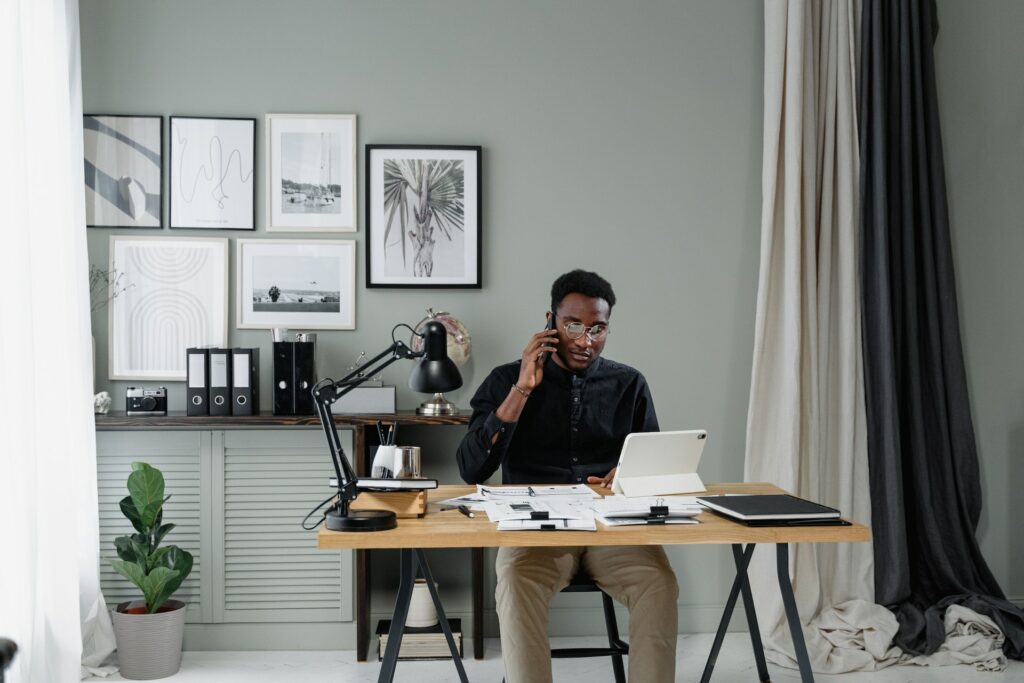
(179,456)
(272,569)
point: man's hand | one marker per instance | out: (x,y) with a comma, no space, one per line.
(531,370)
(605,481)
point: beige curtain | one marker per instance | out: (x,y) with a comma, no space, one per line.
(805,426)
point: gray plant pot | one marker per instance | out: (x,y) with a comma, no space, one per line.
(149,645)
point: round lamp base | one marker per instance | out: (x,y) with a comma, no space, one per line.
(361,520)
(437,406)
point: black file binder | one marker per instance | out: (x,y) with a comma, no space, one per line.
(284,384)
(305,377)
(294,377)
(245,381)
(197,396)
(220,382)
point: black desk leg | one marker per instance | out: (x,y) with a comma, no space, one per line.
(792,616)
(741,577)
(456,657)
(407,576)
(748,606)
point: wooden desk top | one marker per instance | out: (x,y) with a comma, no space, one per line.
(451,529)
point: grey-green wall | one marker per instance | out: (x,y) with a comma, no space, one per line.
(621,137)
(981,104)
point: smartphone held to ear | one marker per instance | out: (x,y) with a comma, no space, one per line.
(550,326)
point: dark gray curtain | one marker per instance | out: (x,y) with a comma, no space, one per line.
(925,489)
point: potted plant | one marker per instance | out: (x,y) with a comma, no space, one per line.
(149,631)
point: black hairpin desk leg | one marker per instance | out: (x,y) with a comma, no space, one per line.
(409,560)
(456,657)
(792,616)
(742,558)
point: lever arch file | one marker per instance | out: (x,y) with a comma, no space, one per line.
(220,381)
(197,396)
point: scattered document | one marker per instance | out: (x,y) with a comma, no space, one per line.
(623,511)
(533,509)
(472,501)
(500,492)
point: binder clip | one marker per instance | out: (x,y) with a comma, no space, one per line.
(659,513)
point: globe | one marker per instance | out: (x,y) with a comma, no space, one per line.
(459,343)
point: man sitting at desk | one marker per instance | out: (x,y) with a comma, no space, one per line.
(559,415)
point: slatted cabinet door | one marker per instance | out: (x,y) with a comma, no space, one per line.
(272,569)
(179,456)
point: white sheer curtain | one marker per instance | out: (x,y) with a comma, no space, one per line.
(806,425)
(50,602)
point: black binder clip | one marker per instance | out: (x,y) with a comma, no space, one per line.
(658,513)
(539,514)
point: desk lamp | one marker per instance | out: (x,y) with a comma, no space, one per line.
(435,373)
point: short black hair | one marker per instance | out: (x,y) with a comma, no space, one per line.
(582,282)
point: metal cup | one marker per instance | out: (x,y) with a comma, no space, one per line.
(407,462)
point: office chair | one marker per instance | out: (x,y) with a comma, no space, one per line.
(8,648)
(582,583)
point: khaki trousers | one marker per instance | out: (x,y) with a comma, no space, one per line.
(639,577)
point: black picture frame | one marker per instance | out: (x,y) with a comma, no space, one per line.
(227,162)
(378,235)
(104,196)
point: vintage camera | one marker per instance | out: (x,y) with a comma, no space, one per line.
(139,401)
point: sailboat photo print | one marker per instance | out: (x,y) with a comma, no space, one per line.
(311,172)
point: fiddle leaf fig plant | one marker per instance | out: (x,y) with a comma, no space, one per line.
(157,570)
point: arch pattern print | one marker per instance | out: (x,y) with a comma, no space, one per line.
(177,299)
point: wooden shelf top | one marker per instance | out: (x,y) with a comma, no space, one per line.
(118,421)
(450,529)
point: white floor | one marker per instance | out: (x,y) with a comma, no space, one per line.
(735,663)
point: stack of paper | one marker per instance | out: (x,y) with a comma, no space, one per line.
(621,511)
(503,492)
(541,512)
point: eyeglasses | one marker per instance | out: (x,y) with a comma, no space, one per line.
(577,330)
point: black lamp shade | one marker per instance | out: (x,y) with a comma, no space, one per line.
(436,372)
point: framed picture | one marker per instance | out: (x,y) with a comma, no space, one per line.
(297,284)
(177,297)
(213,173)
(311,172)
(423,216)
(123,171)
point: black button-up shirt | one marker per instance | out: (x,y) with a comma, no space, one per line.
(572,425)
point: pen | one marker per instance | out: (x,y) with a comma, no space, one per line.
(466,511)
(380,432)
(529,489)
(394,433)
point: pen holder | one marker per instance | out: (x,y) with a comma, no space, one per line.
(407,462)
(383,463)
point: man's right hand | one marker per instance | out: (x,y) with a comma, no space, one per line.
(531,370)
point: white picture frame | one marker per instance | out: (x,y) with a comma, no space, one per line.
(123,171)
(323,272)
(176,297)
(213,173)
(311,172)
